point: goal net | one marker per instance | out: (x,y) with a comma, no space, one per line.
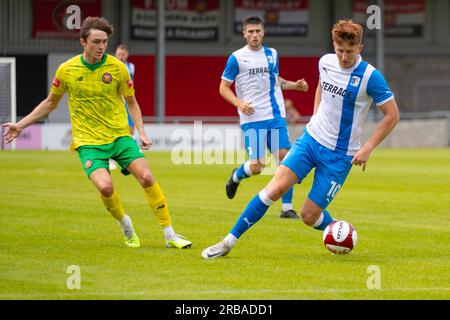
(7,95)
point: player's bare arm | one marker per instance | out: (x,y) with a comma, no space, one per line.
(390,119)
(135,113)
(317,97)
(13,130)
(228,95)
(299,85)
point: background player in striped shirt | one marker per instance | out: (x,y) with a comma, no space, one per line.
(347,87)
(122,53)
(96,83)
(260,104)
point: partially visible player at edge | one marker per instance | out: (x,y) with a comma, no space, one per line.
(122,53)
(330,142)
(260,104)
(96,83)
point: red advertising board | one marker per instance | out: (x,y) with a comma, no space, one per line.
(49,20)
(192,85)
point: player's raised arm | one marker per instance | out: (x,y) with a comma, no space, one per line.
(228,95)
(299,85)
(390,119)
(13,130)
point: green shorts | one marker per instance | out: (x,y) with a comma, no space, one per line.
(123,150)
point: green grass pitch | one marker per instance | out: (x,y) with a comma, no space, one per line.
(51,218)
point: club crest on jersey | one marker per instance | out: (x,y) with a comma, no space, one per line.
(88,164)
(107,78)
(355,81)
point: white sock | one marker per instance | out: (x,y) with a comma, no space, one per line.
(169,233)
(231,240)
(125,223)
(247,171)
(286,206)
(127,226)
(319,221)
(265,198)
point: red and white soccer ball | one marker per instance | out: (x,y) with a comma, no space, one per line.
(340,237)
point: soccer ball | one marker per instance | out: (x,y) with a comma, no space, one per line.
(340,237)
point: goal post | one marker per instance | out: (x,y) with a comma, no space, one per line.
(8,103)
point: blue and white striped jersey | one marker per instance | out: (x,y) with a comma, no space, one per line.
(131,69)
(346,98)
(256,76)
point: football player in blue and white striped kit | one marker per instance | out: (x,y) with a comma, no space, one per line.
(122,53)
(260,104)
(330,143)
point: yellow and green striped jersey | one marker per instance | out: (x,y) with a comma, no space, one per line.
(97,111)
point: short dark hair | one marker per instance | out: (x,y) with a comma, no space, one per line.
(98,23)
(252,20)
(123,47)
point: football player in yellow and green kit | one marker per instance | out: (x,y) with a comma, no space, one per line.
(96,83)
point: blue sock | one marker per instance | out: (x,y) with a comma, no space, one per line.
(241,173)
(324,220)
(254,211)
(287,197)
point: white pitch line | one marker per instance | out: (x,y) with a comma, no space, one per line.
(210,292)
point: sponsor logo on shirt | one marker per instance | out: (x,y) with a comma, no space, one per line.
(107,78)
(335,90)
(260,70)
(56,82)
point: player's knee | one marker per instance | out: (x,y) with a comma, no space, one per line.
(308,217)
(146,179)
(106,189)
(274,192)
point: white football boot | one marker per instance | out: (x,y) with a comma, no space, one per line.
(218,250)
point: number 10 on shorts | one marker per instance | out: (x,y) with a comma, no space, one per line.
(335,187)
